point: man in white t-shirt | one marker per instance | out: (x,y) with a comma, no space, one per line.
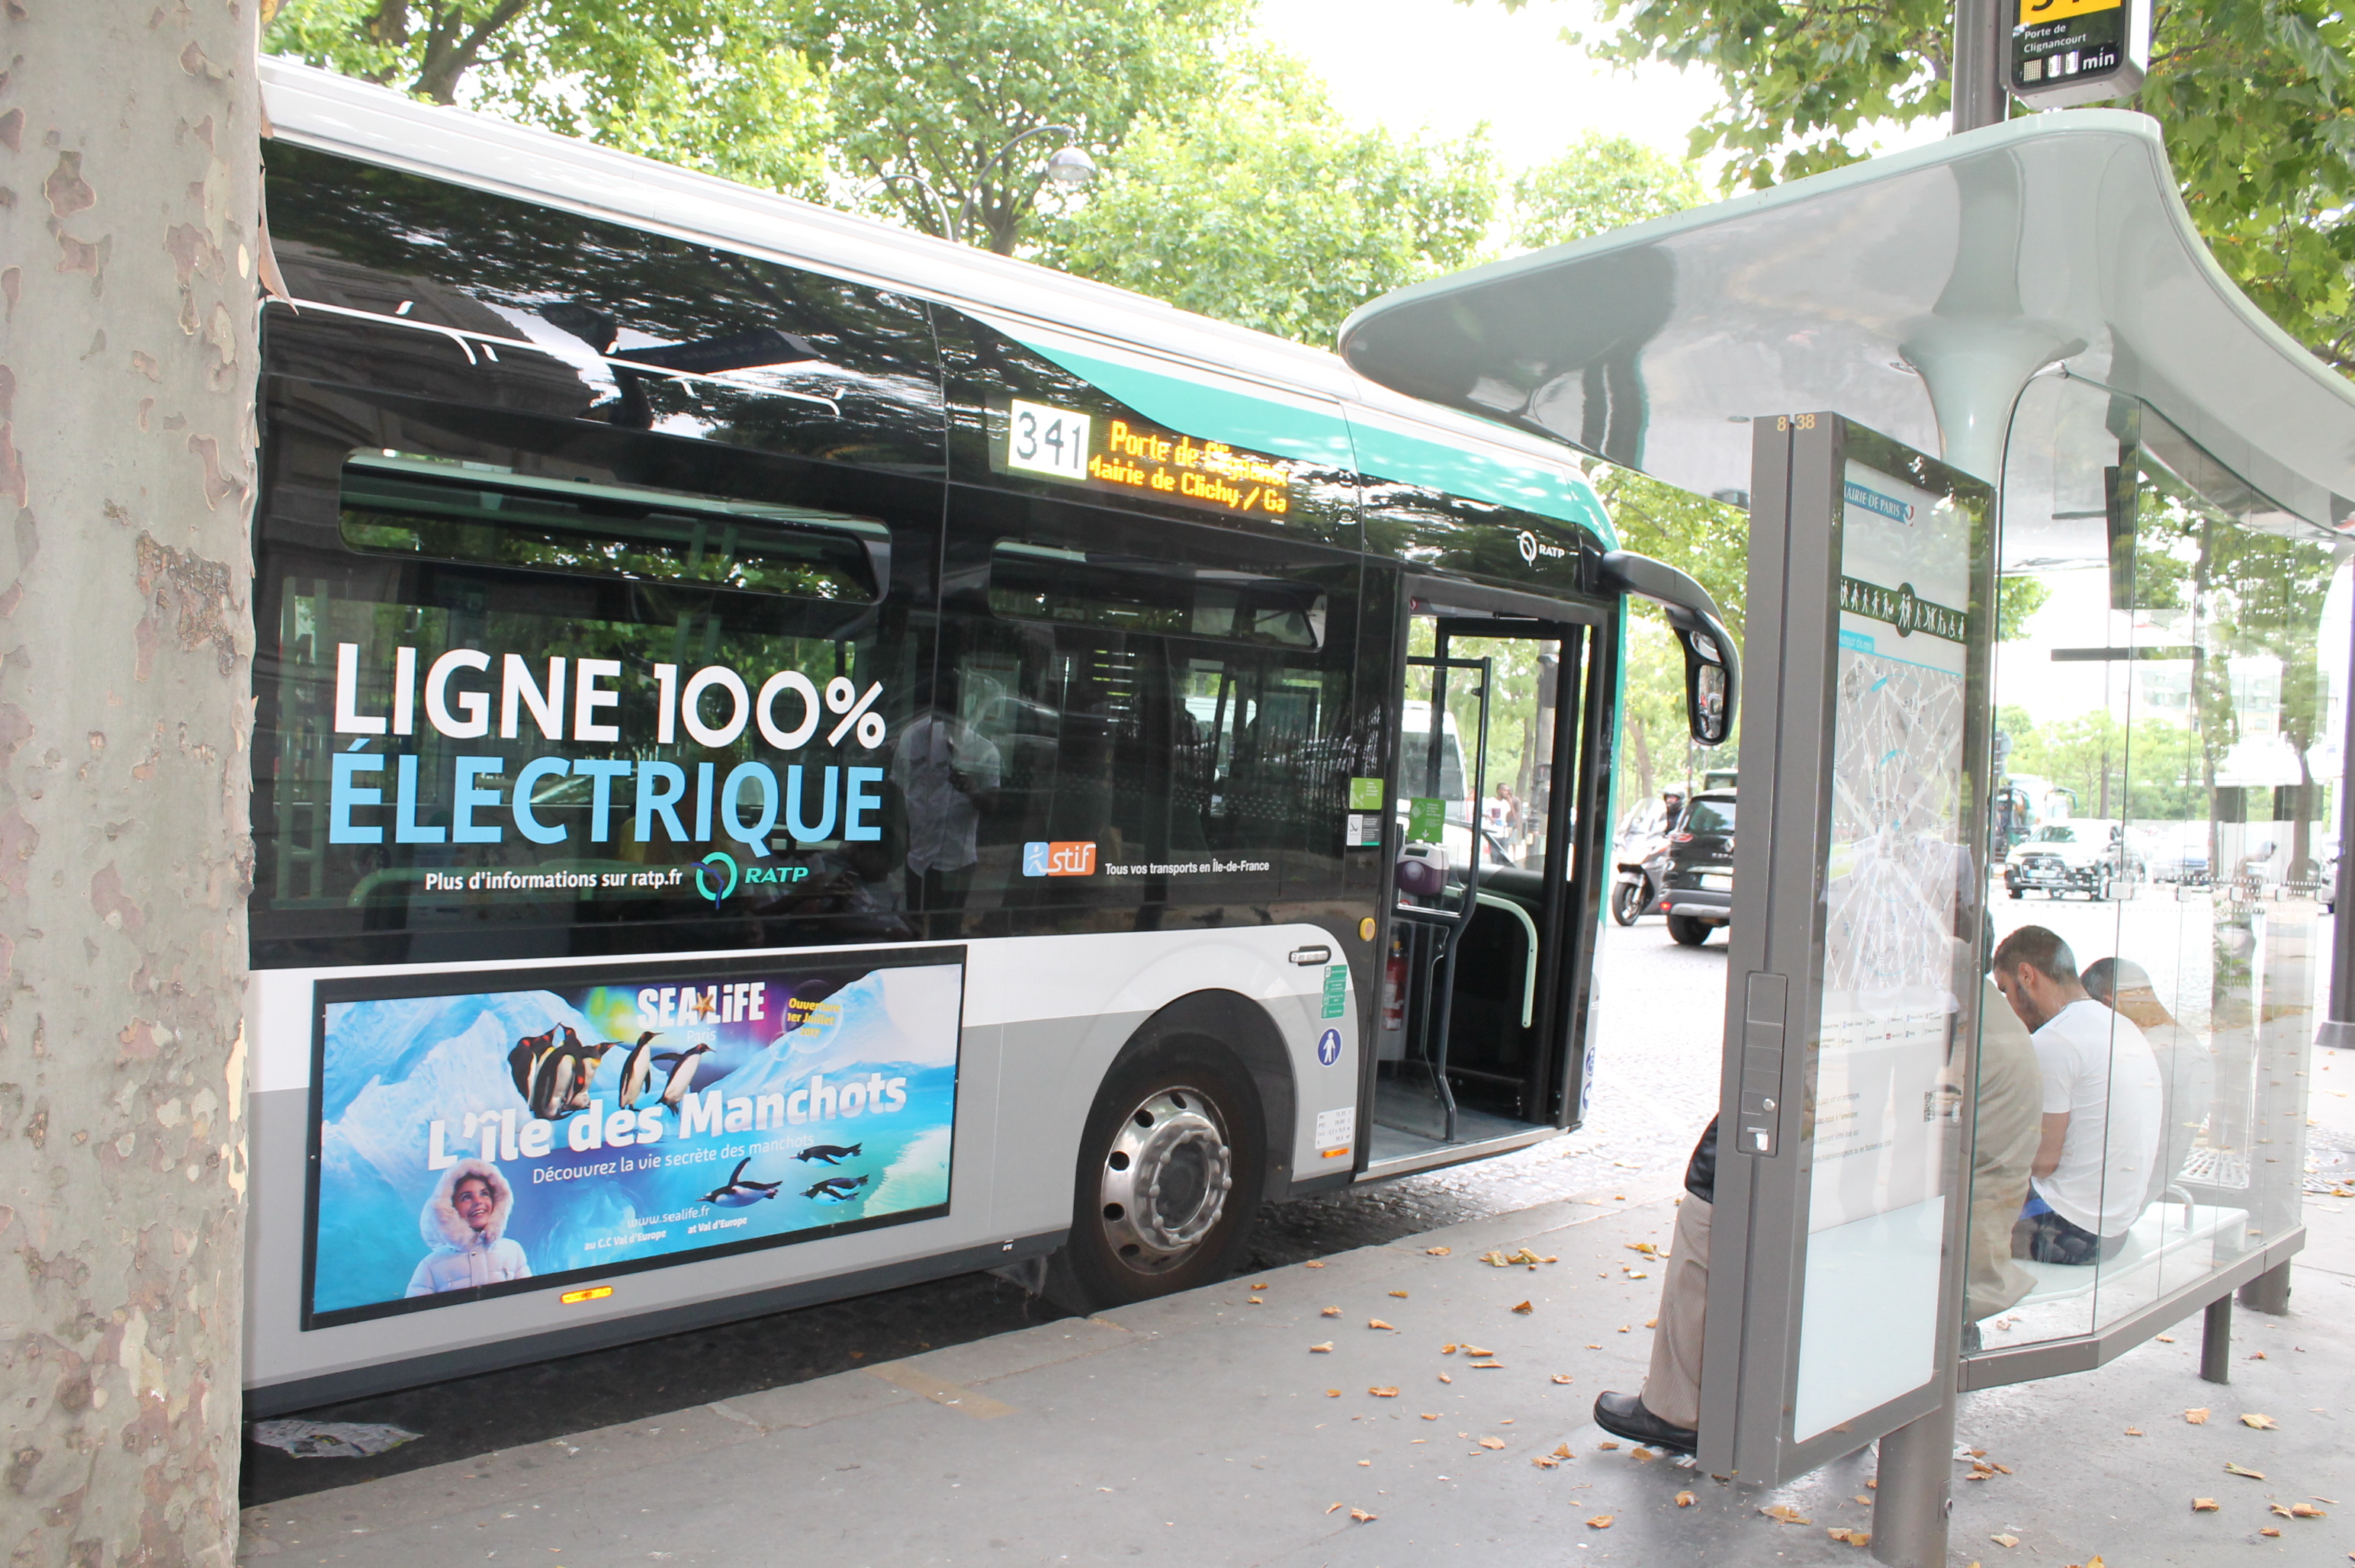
(2103,1106)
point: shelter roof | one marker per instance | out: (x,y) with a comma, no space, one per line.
(1917,293)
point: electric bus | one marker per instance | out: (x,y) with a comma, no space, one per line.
(792,757)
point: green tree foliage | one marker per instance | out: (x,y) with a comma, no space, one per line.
(716,85)
(1602,182)
(1264,208)
(938,89)
(2257,98)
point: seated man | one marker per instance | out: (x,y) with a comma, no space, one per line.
(2103,1106)
(2187,1072)
(1667,1411)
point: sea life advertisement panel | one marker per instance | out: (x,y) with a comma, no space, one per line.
(488,1142)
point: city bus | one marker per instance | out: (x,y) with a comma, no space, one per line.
(792,757)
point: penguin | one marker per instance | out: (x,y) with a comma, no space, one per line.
(560,1086)
(841,1188)
(737,1192)
(682,1075)
(637,1071)
(833,1154)
(524,1060)
(586,1060)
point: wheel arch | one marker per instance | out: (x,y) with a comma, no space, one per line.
(1242,1027)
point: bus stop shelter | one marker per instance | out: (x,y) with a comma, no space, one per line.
(2145,489)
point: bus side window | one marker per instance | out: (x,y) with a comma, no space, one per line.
(1171,731)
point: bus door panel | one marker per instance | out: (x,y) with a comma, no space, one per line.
(1473,1038)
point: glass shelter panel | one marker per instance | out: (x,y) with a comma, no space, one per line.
(1896,877)
(2163,793)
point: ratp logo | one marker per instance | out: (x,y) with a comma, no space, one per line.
(1061,859)
(707,873)
(1533,548)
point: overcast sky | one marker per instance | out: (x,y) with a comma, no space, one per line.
(1437,64)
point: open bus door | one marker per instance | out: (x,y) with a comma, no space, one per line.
(1506,704)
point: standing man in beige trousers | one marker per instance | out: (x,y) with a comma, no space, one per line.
(1666,1413)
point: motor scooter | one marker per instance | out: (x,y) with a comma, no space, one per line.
(1635,886)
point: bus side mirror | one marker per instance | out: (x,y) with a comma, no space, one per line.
(1708,687)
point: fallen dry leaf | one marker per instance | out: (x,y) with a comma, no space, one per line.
(1487,1366)
(1332,1393)
(1523,1256)
(1384,1393)
(2167,1338)
(2269,1529)
(1600,1521)
(1525,1309)
(1375,1323)
(1475,1353)
(1624,1327)
(1637,1273)
(1561,1451)
(1686,1499)
(1852,1537)
(1446,1378)
(1494,1260)
(1335,1509)
(2257,1356)
(1546,1462)
(1640,1247)
(2134,1430)
(1993,1465)
(2233,1469)
(1492,1443)
(1328,1312)
(1651,1323)
(2197,1417)
(1254,1301)
(2205,1505)
(1784,1514)
(1312,1265)
(1595,1347)
(1324,1349)
(2005,1541)
(1430,1415)
(1606,1444)
(1449,1349)
(2281,1510)
(2261,1423)
(1399,1293)
(1976,1453)
(1438,1252)
(1564,1377)
(1645,1456)
(1362,1517)
(2306,1510)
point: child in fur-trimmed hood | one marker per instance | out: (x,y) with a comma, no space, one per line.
(464,1225)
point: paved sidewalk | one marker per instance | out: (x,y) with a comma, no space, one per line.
(1200,1430)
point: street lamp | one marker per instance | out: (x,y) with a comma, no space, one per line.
(1070,168)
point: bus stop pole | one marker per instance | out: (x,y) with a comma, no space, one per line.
(1914,1494)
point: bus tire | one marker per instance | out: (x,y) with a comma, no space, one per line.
(1688,931)
(1171,1162)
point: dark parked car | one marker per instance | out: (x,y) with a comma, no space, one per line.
(1697,892)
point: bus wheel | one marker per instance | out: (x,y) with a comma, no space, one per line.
(1688,931)
(1170,1169)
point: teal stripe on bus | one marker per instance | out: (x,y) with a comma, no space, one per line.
(1225,413)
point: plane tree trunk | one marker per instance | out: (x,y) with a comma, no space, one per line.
(129,154)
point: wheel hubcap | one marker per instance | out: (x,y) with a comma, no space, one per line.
(1166,1179)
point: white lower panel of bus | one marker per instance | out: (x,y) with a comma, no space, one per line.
(951,1103)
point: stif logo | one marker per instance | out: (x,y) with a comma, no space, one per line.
(1041,858)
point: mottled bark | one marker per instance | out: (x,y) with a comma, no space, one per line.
(128,155)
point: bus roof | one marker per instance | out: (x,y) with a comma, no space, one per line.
(1915,292)
(1208,379)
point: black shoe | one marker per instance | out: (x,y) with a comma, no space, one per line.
(1625,1415)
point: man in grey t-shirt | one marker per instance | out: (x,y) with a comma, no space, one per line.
(2103,1105)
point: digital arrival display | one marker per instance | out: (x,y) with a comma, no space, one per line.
(547,1129)
(1127,456)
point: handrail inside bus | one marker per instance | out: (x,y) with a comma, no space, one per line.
(1529,971)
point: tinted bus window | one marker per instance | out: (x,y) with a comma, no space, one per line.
(414,286)
(1035,583)
(563,688)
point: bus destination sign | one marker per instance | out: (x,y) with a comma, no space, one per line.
(1128,455)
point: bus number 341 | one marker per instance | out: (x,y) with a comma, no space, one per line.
(1047,441)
